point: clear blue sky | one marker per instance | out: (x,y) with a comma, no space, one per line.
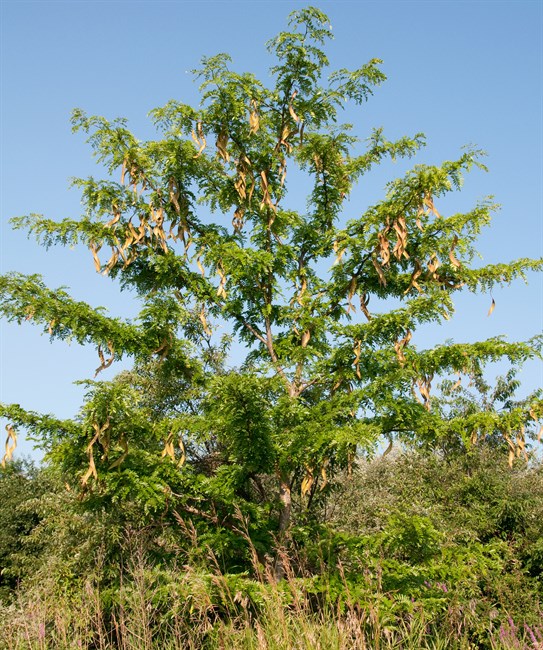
(462,72)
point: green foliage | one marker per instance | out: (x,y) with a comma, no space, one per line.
(465,526)
(210,459)
(238,409)
(426,557)
(20,486)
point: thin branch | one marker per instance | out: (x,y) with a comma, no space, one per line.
(305,385)
(194,511)
(275,359)
(255,332)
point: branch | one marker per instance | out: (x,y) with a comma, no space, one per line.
(40,426)
(275,359)
(27,298)
(200,513)
(254,331)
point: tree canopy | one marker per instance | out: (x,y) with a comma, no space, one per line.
(324,300)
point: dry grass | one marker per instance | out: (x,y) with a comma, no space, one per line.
(187,609)
(193,608)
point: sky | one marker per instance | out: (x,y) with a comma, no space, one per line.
(461,72)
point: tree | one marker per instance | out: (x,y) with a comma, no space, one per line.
(200,227)
(21,486)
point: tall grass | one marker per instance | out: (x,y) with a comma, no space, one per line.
(373,590)
(189,608)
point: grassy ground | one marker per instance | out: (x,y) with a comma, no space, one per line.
(435,556)
(188,609)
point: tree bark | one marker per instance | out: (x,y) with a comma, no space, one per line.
(284,525)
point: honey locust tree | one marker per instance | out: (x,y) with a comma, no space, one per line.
(324,299)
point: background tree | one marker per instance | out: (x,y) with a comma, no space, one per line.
(326,302)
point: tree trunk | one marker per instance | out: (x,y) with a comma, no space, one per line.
(284,525)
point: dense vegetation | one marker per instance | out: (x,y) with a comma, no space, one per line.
(194,503)
(413,551)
